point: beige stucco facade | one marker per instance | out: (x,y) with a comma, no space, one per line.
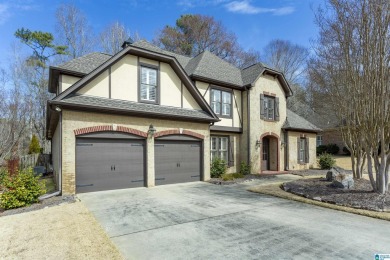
(73,120)
(259,128)
(65,81)
(293,150)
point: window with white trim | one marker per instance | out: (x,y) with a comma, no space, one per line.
(148,86)
(221,102)
(220,148)
(319,140)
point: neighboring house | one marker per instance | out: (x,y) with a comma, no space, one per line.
(147,117)
(327,121)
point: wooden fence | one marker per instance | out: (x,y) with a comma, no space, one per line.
(32,160)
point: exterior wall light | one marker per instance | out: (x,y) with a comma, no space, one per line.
(58,109)
(151,130)
(258,143)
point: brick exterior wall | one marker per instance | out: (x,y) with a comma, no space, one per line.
(333,136)
(77,122)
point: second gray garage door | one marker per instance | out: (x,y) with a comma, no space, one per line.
(177,161)
(107,164)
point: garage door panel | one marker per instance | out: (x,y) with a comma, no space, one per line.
(177,161)
(106,164)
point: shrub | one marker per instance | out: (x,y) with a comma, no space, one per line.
(321,149)
(34,145)
(230,177)
(218,167)
(245,169)
(3,174)
(346,151)
(21,190)
(326,161)
(332,148)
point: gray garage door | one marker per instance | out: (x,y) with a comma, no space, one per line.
(177,161)
(107,164)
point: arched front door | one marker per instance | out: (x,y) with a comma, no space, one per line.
(270,153)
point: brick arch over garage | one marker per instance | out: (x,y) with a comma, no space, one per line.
(270,134)
(111,128)
(177,132)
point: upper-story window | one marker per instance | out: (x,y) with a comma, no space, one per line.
(148,86)
(269,108)
(221,102)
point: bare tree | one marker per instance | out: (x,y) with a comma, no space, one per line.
(13,115)
(194,34)
(353,66)
(288,58)
(113,36)
(73,30)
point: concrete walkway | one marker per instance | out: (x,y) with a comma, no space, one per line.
(205,221)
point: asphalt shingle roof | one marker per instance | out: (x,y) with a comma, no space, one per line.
(294,121)
(87,63)
(210,66)
(129,106)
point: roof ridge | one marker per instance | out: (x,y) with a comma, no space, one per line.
(154,45)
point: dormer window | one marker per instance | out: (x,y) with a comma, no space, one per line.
(149,84)
(221,102)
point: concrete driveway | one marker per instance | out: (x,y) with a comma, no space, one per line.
(205,221)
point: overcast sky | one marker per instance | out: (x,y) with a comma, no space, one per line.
(254,22)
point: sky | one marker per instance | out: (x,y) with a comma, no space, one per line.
(255,22)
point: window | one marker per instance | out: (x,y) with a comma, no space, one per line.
(148,86)
(219,148)
(303,150)
(221,102)
(269,108)
(319,140)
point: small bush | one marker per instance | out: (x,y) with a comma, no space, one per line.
(346,151)
(332,148)
(326,161)
(21,190)
(3,174)
(321,149)
(230,177)
(245,169)
(218,167)
(34,145)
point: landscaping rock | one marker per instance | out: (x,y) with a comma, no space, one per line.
(334,172)
(344,181)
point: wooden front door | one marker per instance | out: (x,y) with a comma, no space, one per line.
(265,155)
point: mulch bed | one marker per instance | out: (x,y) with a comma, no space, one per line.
(50,202)
(247,178)
(361,196)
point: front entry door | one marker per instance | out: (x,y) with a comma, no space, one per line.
(265,157)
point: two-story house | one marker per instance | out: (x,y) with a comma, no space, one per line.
(146,117)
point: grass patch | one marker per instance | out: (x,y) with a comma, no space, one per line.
(231,176)
(275,190)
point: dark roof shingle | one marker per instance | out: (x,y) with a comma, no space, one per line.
(87,63)
(139,108)
(294,121)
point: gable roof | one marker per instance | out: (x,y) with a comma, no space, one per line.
(296,122)
(205,67)
(147,54)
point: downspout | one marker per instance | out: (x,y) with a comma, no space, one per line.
(59,191)
(248,113)
(286,148)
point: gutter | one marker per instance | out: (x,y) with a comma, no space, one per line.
(59,191)
(286,154)
(249,124)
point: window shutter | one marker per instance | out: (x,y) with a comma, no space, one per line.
(298,150)
(231,152)
(307,150)
(277,109)
(261,106)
